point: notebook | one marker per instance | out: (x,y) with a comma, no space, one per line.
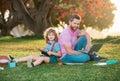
(95,47)
(73,63)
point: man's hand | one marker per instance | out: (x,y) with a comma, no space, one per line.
(88,46)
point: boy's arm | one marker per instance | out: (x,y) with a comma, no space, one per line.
(58,53)
(57,49)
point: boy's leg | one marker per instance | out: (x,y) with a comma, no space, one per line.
(81,43)
(38,60)
(24,59)
(41,60)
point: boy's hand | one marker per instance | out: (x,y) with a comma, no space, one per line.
(50,53)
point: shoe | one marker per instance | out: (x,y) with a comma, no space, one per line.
(10,58)
(29,63)
(95,57)
(98,58)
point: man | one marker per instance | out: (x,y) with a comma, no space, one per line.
(70,44)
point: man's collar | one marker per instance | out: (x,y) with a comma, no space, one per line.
(71,32)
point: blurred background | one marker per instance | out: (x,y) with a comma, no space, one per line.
(100,18)
(114,30)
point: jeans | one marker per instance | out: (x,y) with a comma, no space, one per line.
(77,58)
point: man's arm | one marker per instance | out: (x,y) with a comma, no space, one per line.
(88,38)
(69,49)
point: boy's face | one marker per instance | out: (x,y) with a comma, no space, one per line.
(74,25)
(51,36)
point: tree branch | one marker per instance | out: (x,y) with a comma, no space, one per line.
(20,7)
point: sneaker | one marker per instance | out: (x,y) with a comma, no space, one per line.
(29,63)
(10,58)
(95,57)
(98,58)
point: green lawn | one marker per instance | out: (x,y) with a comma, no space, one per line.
(19,47)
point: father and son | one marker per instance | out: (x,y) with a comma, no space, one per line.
(65,47)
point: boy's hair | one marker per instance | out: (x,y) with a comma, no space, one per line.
(74,16)
(48,31)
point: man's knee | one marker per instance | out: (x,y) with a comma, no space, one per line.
(82,37)
(84,58)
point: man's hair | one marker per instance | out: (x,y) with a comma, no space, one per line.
(74,16)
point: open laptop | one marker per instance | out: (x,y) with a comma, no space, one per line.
(95,47)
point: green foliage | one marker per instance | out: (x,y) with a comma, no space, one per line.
(109,39)
(20,39)
(19,47)
(37,15)
(96,14)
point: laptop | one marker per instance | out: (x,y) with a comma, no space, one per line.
(95,47)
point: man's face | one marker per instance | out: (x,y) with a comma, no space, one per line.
(74,24)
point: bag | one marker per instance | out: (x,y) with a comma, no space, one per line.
(3,60)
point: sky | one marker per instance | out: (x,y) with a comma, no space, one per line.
(116,25)
(114,30)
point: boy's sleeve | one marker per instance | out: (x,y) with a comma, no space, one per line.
(57,47)
(47,48)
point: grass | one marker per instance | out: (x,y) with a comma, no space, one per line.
(19,47)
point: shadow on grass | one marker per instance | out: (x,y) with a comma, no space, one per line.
(20,39)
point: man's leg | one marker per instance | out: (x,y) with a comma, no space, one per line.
(76,58)
(81,43)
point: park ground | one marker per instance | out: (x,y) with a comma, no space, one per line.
(19,47)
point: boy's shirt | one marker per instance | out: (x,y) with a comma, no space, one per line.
(55,48)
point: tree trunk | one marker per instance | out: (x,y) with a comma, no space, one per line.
(41,19)
(4,30)
(36,19)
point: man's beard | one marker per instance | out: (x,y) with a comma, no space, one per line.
(73,28)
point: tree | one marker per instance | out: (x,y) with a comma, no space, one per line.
(95,13)
(99,14)
(36,18)
(37,15)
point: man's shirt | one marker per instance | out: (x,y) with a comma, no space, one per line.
(69,37)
